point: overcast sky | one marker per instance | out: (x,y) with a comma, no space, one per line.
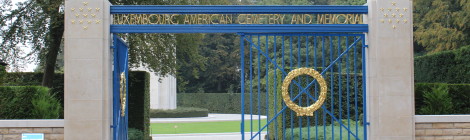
(27,67)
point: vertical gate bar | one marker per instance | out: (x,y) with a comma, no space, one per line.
(290,87)
(275,89)
(299,63)
(339,89)
(259,86)
(126,70)
(126,119)
(284,112)
(364,85)
(331,88)
(267,84)
(355,86)
(242,79)
(251,87)
(348,87)
(323,66)
(115,89)
(315,92)
(308,100)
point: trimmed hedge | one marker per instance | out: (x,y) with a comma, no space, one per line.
(180,112)
(35,79)
(460,94)
(444,67)
(139,102)
(28,102)
(218,102)
(3,74)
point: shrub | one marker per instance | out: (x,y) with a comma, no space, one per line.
(180,112)
(139,101)
(28,102)
(437,101)
(35,79)
(219,102)
(3,73)
(46,106)
(458,94)
(320,130)
(135,134)
(444,67)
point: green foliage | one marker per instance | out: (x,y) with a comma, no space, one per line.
(437,101)
(139,101)
(3,74)
(46,106)
(221,102)
(439,96)
(159,52)
(28,102)
(338,132)
(180,112)
(220,53)
(349,2)
(441,24)
(444,67)
(135,134)
(35,79)
(275,102)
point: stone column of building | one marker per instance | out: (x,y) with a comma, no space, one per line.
(88,71)
(163,94)
(162,90)
(390,70)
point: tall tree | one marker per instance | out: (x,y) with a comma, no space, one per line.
(38,23)
(441,24)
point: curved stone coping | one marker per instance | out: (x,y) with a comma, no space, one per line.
(441,118)
(32,123)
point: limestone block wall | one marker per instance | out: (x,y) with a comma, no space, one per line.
(445,127)
(14,133)
(12,129)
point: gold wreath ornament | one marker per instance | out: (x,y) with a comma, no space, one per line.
(304,111)
(123,93)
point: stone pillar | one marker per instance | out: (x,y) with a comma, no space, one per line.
(88,71)
(163,94)
(390,87)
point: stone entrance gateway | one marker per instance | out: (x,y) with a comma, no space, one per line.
(382,31)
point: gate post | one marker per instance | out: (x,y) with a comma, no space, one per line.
(390,86)
(87,73)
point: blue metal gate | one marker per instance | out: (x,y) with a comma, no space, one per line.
(120,94)
(266,60)
(269,54)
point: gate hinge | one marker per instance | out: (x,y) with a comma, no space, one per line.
(366,46)
(367,123)
(112,47)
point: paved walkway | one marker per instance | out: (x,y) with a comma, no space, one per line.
(210,118)
(208,136)
(204,136)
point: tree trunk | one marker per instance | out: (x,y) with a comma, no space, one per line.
(53,42)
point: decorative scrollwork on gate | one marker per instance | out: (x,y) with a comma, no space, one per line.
(123,94)
(304,111)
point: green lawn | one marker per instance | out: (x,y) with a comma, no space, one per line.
(202,127)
